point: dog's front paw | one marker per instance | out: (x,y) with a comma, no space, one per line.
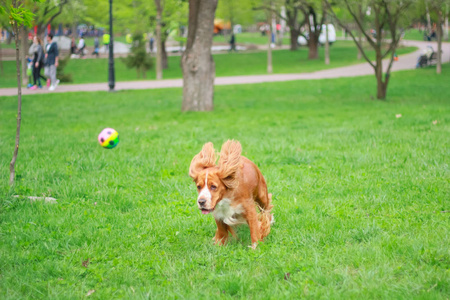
(253,246)
(219,240)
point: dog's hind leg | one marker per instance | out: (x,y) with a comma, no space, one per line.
(263,198)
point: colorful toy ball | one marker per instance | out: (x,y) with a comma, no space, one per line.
(108,138)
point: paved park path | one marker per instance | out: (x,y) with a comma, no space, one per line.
(405,62)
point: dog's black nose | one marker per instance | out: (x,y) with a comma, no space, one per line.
(202,202)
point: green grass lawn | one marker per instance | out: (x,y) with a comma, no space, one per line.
(8,46)
(413,34)
(249,38)
(89,40)
(361,197)
(242,63)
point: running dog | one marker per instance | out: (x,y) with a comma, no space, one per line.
(233,190)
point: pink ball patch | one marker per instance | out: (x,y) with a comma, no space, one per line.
(105,135)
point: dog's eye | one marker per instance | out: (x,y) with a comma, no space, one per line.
(199,187)
(213,187)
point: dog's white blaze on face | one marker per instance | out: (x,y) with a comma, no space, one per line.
(205,193)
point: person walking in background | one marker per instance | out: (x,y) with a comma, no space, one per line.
(30,64)
(38,61)
(232,43)
(96,46)
(81,46)
(152,42)
(51,62)
(106,40)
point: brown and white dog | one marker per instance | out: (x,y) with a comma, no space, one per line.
(232,190)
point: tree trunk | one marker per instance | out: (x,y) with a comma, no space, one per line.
(327,46)
(314,30)
(269,53)
(274,26)
(40,34)
(446,22)
(1,60)
(359,56)
(282,25)
(164,60)
(159,73)
(24,46)
(428,18)
(9,39)
(74,29)
(381,86)
(313,43)
(294,33)
(360,33)
(439,42)
(269,44)
(231,16)
(12,171)
(327,42)
(197,62)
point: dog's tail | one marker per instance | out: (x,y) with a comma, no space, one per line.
(266,218)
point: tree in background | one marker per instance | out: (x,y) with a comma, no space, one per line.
(295,27)
(437,9)
(46,12)
(314,18)
(129,15)
(292,13)
(159,66)
(197,62)
(168,16)
(327,42)
(270,12)
(386,21)
(138,57)
(19,16)
(346,18)
(74,12)
(237,12)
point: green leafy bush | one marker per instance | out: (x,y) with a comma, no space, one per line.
(62,63)
(138,57)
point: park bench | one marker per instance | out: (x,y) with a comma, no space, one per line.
(433,58)
(425,61)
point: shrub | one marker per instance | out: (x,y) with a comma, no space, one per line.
(60,70)
(138,57)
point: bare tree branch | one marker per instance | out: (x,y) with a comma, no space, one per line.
(271,9)
(358,22)
(351,34)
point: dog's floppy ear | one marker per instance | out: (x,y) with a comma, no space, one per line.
(229,163)
(205,159)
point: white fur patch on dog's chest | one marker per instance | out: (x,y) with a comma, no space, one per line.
(230,215)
